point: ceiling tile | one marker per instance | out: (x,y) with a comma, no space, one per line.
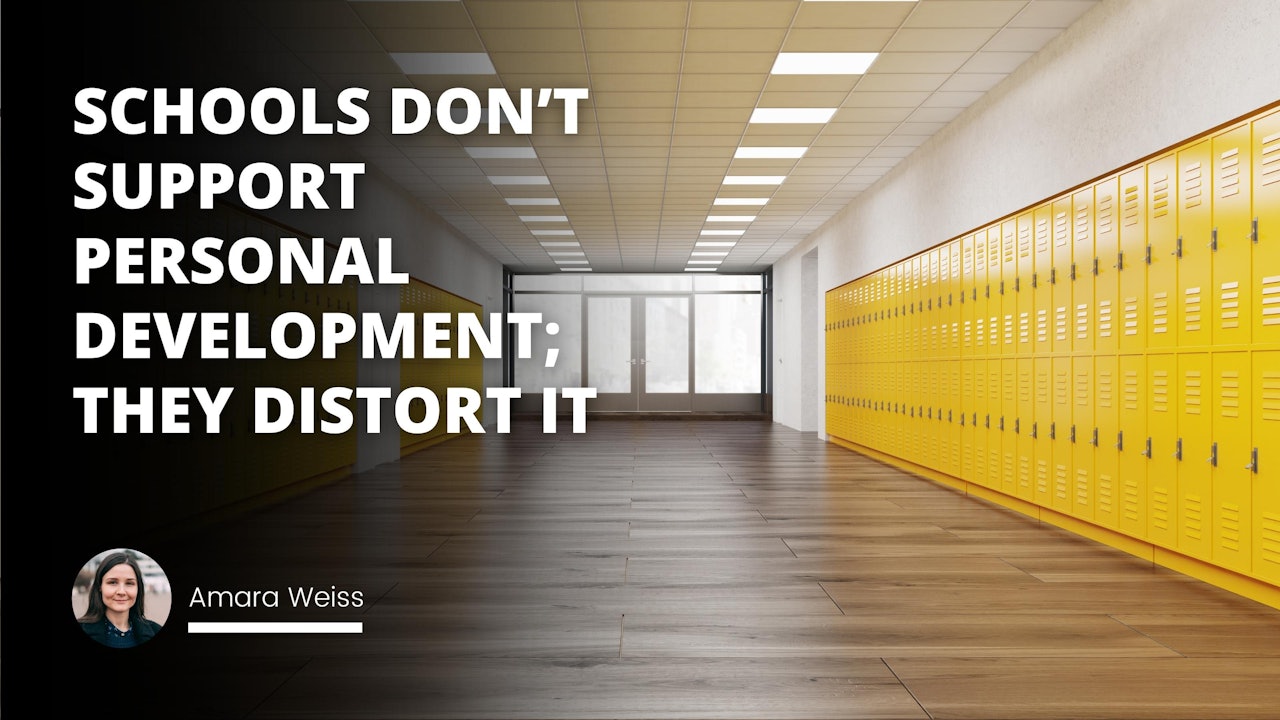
(1021,39)
(1052,13)
(635,40)
(837,39)
(523,13)
(939,40)
(964,13)
(995,62)
(920,62)
(633,13)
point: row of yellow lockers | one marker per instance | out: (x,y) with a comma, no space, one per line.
(418,297)
(1176,252)
(1178,449)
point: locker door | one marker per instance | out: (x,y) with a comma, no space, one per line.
(991,423)
(1162,253)
(941,319)
(1042,295)
(1060,276)
(1195,431)
(1195,256)
(1162,430)
(981,421)
(1132,266)
(1083,262)
(1266,480)
(1106,456)
(968,420)
(1042,418)
(980,293)
(915,344)
(1023,290)
(1106,267)
(1022,429)
(1132,446)
(953,407)
(1232,236)
(1005,425)
(1232,479)
(992,298)
(1060,435)
(932,307)
(953,298)
(1265,303)
(1008,293)
(1083,435)
(968,306)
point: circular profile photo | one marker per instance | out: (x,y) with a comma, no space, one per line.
(121,598)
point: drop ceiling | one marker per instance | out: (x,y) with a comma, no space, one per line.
(673,88)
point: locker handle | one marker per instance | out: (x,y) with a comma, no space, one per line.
(1120,261)
(1072,436)
(1034,427)
(1253,462)
(1120,440)
(975,292)
(1053,276)
(1148,255)
(1034,280)
(961,419)
(948,416)
(949,299)
(1017,284)
(1073,271)
(1095,266)
(986,292)
(1147,452)
(1253,233)
(1177,449)
(1177,251)
(1017,426)
(1213,455)
(1094,440)
(986,422)
(1001,287)
(975,420)
(1001,425)
(1053,431)
(1213,240)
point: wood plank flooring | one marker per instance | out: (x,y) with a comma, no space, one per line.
(717,569)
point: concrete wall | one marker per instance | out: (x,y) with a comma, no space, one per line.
(1130,78)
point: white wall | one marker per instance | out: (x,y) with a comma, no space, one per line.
(1130,78)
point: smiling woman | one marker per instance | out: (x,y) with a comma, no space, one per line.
(115,601)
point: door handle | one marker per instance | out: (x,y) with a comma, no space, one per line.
(1213,455)
(1177,450)
(1147,452)
(1120,440)
(1253,461)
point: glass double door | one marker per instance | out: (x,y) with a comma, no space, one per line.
(637,352)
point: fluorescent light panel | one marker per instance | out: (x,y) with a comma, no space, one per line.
(551,232)
(723,232)
(791,115)
(754,179)
(560,261)
(822,63)
(704,262)
(533,201)
(697,253)
(544,218)
(741,201)
(502,153)
(699,269)
(444,63)
(559,244)
(769,153)
(731,218)
(569,269)
(715,243)
(567,254)
(519,179)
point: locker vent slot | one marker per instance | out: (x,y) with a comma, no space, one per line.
(1060,323)
(1160,508)
(1042,477)
(980,336)
(1008,329)
(1270,537)
(1229,526)
(1160,312)
(1082,321)
(1131,390)
(1191,309)
(1193,517)
(1106,505)
(1191,393)
(1192,186)
(1271,297)
(1229,394)
(1230,304)
(1106,214)
(1106,396)
(1060,483)
(1270,167)
(1132,503)
(1060,229)
(1160,196)
(1082,487)
(1042,321)
(1229,173)
(1130,316)
(1130,206)
(1024,328)
(1271,396)
(1082,224)
(1104,318)
(1042,234)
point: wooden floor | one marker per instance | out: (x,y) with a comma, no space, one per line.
(719,569)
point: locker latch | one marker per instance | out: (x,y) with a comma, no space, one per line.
(975,419)
(986,292)
(1253,233)
(930,303)
(1001,287)
(975,292)
(1094,440)
(961,297)
(1095,266)
(930,415)
(986,422)
(1073,271)
(1147,258)
(1034,278)
(1120,440)
(1147,452)
(1017,426)
(1177,449)
(961,419)
(1017,284)
(1072,436)
(1001,425)
(1053,276)
(1178,248)
(1213,240)
(1213,455)
(1034,427)
(949,416)
(1120,261)
(949,299)
(1253,462)
(1053,431)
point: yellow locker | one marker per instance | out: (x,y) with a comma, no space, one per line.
(1024,441)
(1132,262)
(1061,435)
(915,347)
(1083,436)
(932,307)
(992,422)
(1083,269)
(1195,436)
(1106,441)
(1022,287)
(1265,302)
(1060,276)
(1230,459)
(968,420)
(1042,419)
(981,421)
(942,312)
(1232,237)
(967,296)
(1004,426)
(953,298)
(954,404)
(1133,446)
(1042,295)
(1265,465)
(1106,266)
(990,303)
(1163,244)
(1008,295)
(1195,240)
(980,294)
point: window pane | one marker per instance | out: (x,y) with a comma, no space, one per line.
(531,376)
(666,345)
(727,344)
(711,283)
(637,283)
(609,344)
(562,283)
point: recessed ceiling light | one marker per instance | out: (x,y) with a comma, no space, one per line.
(754,179)
(569,269)
(692,269)
(566,254)
(533,201)
(424,63)
(697,253)
(791,115)
(544,218)
(741,201)
(723,232)
(571,262)
(559,244)
(704,262)
(771,153)
(502,153)
(822,63)
(731,218)
(551,232)
(519,179)
(715,243)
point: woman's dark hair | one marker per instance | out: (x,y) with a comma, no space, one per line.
(97,609)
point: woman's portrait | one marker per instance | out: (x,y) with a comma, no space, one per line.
(115,595)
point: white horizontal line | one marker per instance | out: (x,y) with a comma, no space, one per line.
(274,628)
